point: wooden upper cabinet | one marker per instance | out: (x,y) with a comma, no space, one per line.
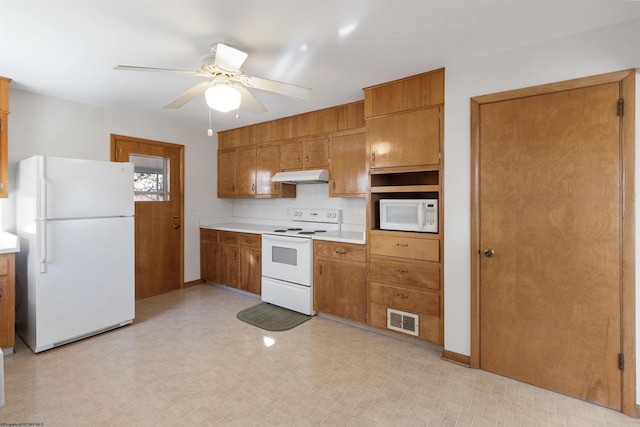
(315,153)
(246,172)
(348,171)
(405,139)
(291,156)
(410,93)
(267,164)
(226,173)
(4,136)
(308,153)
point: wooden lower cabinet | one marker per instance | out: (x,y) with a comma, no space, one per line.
(250,266)
(7,301)
(405,276)
(340,280)
(209,255)
(231,259)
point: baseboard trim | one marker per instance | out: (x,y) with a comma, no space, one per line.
(194,282)
(457,358)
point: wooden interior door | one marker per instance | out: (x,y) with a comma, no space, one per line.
(159,237)
(550,240)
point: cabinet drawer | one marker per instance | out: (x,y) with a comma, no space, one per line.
(208,235)
(406,273)
(4,265)
(250,240)
(405,299)
(348,251)
(228,237)
(406,247)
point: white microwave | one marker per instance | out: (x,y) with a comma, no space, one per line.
(409,215)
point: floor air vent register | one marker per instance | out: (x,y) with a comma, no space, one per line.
(403,322)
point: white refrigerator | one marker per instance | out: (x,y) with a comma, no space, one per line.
(75,273)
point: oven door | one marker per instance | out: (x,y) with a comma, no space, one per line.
(287,258)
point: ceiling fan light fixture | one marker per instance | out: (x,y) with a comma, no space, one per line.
(222,97)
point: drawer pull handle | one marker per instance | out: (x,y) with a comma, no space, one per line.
(340,251)
(249,242)
(402,270)
(402,244)
(403,296)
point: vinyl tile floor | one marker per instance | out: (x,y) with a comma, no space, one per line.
(187,360)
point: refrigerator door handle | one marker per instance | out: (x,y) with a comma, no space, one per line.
(41,235)
(42,189)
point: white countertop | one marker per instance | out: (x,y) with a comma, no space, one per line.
(9,243)
(356,237)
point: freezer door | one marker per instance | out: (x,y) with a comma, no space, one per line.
(89,283)
(74,188)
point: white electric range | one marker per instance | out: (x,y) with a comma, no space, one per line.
(287,258)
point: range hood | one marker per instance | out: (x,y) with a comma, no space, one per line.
(316,176)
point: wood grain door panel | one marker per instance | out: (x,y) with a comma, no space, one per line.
(550,209)
(159,239)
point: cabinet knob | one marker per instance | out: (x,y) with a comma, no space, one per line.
(402,270)
(403,296)
(306,159)
(340,251)
(373,157)
(401,244)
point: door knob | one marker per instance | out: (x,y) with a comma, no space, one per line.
(489,253)
(176,225)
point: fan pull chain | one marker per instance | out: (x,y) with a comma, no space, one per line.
(209,131)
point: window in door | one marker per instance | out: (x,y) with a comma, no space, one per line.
(150,178)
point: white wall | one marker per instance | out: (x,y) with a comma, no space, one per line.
(48,126)
(598,52)
(307,196)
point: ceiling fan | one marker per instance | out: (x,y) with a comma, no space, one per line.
(227,87)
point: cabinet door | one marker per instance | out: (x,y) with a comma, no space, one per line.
(246,172)
(227,173)
(268,163)
(340,289)
(405,139)
(315,153)
(291,156)
(208,255)
(250,270)
(4,135)
(348,172)
(7,301)
(228,265)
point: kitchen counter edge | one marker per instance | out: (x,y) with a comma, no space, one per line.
(355,237)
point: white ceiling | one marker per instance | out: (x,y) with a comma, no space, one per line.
(67,49)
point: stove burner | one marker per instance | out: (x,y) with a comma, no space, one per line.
(306,232)
(279,231)
(294,229)
(319,231)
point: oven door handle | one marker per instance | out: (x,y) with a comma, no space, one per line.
(294,240)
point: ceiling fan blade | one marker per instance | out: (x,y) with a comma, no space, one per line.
(227,57)
(161,70)
(249,101)
(274,86)
(189,95)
